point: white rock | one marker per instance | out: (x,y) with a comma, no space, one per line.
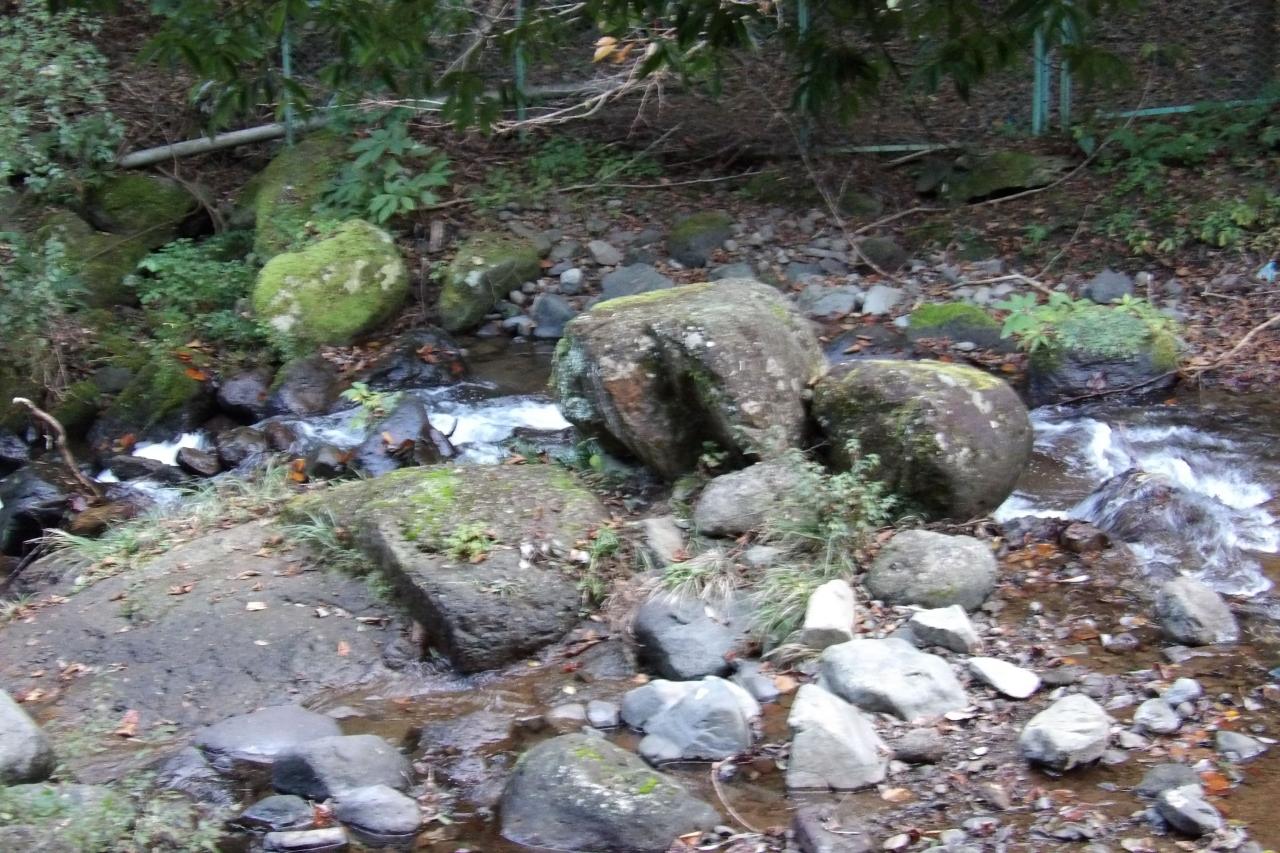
(1070,732)
(604,254)
(828,619)
(948,627)
(833,744)
(1013,681)
(880,299)
(893,677)
(1187,811)
(1182,690)
(1155,716)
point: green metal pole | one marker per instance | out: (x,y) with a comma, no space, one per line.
(520,69)
(1064,79)
(802,27)
(1040,87)
(286,63)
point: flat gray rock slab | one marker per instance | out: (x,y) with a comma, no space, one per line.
(833,745)
(1013,681)
(696,720)
(260,737)
(379,810)
(333,766)
(892,677)
(684,638)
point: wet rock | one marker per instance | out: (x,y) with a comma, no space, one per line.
(305,387)
(1187,811)
(29,502)
(142,468)
(1237,747)
(658,376)
(245,396)
(1182,690)
(421,358)
(578,792)
(1192,614)
(403,437)
(278,813)
(239,444)
(1108,286)
(883,252)
(932,570)
(694,238)
(603,715)
(696,720)
(550,312)
(1013,681)
(1156,717)
(260,737)
(569,717)
(818,300)
(833,745)
(25,753)
(1162,777)
(202,463)
(485,267)
(450,540)
(1069,733)
(306,840)
(948,627)
(330,766)
(378,810)
(1082,538)
(920,746)
(281,435)
(326,462)
(742,501)
(812,835)
(604,254)
(829,615)
(187,771)
(631,281)
(684,638)
(952,439)
(880,300)
(752,679)
(892,677)
(14,452)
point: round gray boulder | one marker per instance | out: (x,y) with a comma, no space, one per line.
(25,754)
(933,570)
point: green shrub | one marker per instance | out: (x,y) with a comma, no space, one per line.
(562,162)
(1080,323)
(391,174)
(36,294)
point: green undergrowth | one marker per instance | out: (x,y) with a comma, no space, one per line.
(1123,329)
(558,162)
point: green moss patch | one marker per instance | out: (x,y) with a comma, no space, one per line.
(289,189)
(484,269)
(146,207)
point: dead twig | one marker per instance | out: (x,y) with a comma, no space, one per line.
(733,813)
(1244,342)
(1018,277)
(1112,391)
(60,441)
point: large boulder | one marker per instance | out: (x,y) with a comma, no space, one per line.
(694,238)
(31,499)
(892,677)
(658,375)
(684,638)
(742,501)
(260,737)
(148,208)
(1098,349)
(334,289)
(97,260)
(284,195)
(1070,732)
(25,753)
(404,437)
(578,792)
(450,541)
(304,387)
(927,569)
(485,269)
(691,720)
(164,398)
(833,745)
(331,766)
(952,440)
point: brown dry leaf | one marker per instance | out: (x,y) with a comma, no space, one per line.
(197,374)
(896,795)
(128,724)
(1214,782)
(182,589)
(344,648)
(35,694)
(322,815)
(785,683)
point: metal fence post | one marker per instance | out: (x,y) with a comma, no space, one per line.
(1040,86)
(520,70)
(286,68)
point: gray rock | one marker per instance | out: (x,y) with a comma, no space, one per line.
(1108,286)
(796,272)
(260,737)
(1162,777)
(1192,614)
(892,677)
(408,431)
(278,813)
(241,443)
(707,719)
(571,281)
(1070,732)
(738,270)
(565,250)
(187,771)
(694,238)
(685,638)
(883,252)
(519,325)
(818,300)
(304,387)
(948,627)
(569,717)
(664,539)
(742,501)
(1013,681)
(331,766)
(1187,811)
(920,746)
(604,254)
(751,679)
(550,313)
(881,299)
(813,833)
(829,615)
(378,810)
(578,792)
(633,280)
(833,746)
(1182,690)
(306,840)
(763,556)
(1236,746)
(932,570)
(604,715)
(25,753)
(245,395)
(1156,717)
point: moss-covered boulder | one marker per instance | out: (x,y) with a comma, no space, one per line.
(287,191)
(98,260)
(989,175)
(951,440)
(694,238)
(655,376)
(162,400)
(577,792)
(957,321)
(1103,349)
(450,539)
(147,208)
(485,269)
(884,252)
(334,289)
(78,408)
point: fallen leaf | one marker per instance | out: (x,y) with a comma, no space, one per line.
(182,589)
(896,795)
(785,683)
(1214,782)
(344,648)
(128,724)
(197,374)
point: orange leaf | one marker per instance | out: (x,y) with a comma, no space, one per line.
(1215,782)
(129,724)
(344,648)
(197,374)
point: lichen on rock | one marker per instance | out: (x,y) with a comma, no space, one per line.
(484,269)
(99,260)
